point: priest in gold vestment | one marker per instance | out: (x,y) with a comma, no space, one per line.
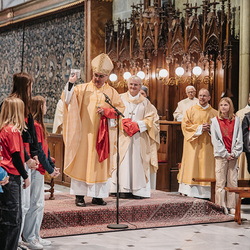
(197,159)
(139,142)
(84,106)
(242,160)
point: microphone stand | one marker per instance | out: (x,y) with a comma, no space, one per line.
(118,113)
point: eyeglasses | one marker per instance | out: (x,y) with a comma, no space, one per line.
(134,84)
(98,76)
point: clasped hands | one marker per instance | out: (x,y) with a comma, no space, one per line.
(230,157)
(55,173)
(34,163)
(205,127)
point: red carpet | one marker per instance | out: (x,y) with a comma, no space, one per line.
(62,217)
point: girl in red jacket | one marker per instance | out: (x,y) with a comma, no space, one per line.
(12,124)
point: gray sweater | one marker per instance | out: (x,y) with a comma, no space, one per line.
(217,140)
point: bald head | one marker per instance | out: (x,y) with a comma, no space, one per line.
(204,97)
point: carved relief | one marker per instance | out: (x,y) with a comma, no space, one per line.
(169,41)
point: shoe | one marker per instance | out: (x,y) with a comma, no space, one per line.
(80,201)
(125,195)
(33,245)
(232,211)
(225,210)
(137,197)
(44,242)
(99,201)
(21,246)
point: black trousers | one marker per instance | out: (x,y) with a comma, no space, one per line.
(248,162)
(10,214)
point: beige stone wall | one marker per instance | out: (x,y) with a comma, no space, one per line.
(122,8)
(10,3)
(244,78)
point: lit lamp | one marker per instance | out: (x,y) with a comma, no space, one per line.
(179,71)
(126,76)
(163,73)
(113,78)
(162,76)
(196,71)
(141,74)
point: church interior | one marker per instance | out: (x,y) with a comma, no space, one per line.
(169,44)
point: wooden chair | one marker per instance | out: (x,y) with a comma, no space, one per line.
(243,192)
(50,181)
(241,183)
(212,183)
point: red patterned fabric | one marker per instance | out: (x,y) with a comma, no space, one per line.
(102,143)
(130,127)
(109,113)
(63,217)
(227,130)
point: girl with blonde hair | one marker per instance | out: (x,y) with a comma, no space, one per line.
(226,137)
(12,125)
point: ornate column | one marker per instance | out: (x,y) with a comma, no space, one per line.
(244,72)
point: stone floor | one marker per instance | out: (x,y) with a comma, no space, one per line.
(214,236)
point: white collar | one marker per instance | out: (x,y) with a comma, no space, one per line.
(133,97)
(203,107)
(247,107)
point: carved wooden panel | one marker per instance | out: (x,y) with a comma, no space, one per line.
(160,36)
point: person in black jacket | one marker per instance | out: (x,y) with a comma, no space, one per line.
(246,138)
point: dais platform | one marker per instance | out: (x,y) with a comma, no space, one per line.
(63,217)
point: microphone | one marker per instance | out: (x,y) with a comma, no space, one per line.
(107,99)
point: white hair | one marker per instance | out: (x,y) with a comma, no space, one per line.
(190,87)
(135,78)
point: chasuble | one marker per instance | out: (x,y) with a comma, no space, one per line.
(80,129)
(138,153)
(182,106)
(197,159)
